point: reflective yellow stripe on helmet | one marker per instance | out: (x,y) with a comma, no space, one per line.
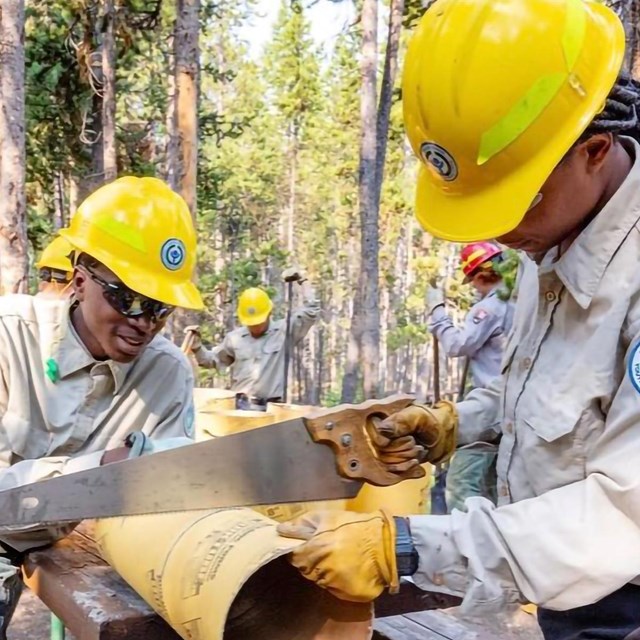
(474,256)
(121,231)
(541,93)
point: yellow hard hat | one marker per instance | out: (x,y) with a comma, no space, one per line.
(56,256)
(254,307)
(142,231)
(495,92)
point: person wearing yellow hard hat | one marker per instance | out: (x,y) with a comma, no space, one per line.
(89,380)
(527,131)
(256,351)
(55,269)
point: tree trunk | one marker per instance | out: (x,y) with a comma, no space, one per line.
(186,59)
(187,55)
(74,192)
(95,179)
(293,177)
(396,11)
(369,203)
(109,92)
(58,201)
(351,377)
(171,123)
(14,263)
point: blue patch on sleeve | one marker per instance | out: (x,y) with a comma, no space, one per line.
(633,367)
(189,422)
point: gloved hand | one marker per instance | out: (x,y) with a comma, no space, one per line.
(435,298)
(140,444)
(436,428)
(293,274)
(352,555)
(399,454)
(196,340)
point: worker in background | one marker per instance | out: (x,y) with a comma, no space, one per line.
(55,269)
(472,470)
(527,131)
(255,352)
(89,381)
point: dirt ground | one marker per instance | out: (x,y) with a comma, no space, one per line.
(31,622)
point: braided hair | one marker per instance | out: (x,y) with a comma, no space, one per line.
(620,113)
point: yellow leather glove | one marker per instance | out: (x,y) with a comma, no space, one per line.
(352,555)
(436,428)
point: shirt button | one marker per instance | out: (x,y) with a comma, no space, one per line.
(504,491)
(526,363)
(550,296)
(509,427)
(438,579)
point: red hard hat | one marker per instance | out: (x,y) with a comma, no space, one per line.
(475,254)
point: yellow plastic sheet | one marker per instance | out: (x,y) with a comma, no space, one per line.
(221,576)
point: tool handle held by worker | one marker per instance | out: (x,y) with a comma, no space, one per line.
(436,370)
(438,494)
(351,432)
(288,346)
(191,335)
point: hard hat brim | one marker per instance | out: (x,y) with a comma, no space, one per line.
(252,321)
(146,282)
(469,218)
(60,265)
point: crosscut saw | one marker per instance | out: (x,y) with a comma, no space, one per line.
(326,455)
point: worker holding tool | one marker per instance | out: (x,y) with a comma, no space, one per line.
(55,269)
(256,351)
(527,131)
(88,381)
(481,339)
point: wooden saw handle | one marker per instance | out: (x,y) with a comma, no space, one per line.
(346,428)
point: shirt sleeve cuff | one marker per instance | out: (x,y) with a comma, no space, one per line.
(466,423)
(442,568)
(81,463)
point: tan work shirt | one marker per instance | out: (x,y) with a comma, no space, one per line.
(60,408)
(257,364)
(567,531)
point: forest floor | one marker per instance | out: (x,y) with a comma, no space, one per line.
(31,622)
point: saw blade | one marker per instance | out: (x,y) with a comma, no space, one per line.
(275,464)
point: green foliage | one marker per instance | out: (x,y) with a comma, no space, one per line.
(508,269)
(276,129)
(291,68)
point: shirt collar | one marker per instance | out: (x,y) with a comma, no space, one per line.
(496,290)
(581,268)
(73,356)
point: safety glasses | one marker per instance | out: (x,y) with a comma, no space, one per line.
(129,303)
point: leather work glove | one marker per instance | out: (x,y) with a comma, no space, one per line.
(352,555)
(293,274)
(435,427)
(398,454)
(193,331)
(435,298)
(140,444)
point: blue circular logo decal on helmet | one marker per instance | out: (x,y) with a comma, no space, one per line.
(440,159)
(173,254)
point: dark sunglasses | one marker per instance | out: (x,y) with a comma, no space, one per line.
(129,303)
